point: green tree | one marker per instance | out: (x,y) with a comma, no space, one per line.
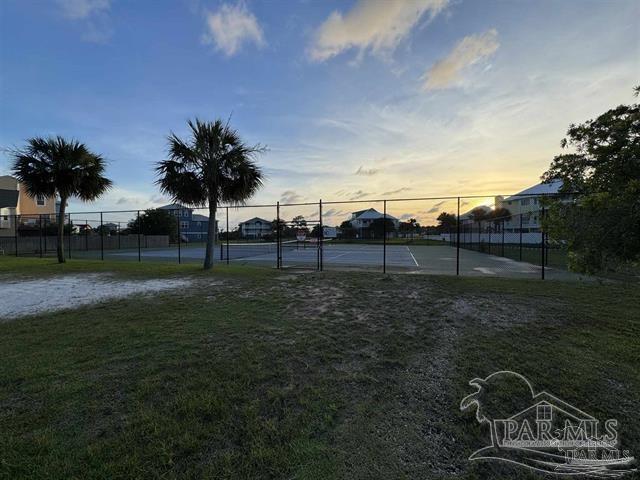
(601,226)
(56,166)
(377,228)
(212,166)
(155,221)
(447,221)
(347,231)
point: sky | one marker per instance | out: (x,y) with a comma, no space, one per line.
(353,99)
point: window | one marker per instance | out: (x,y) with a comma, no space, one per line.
(40,200)
(544,412)
(524,201)
(184,225)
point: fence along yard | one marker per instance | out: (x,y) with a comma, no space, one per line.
(480,237)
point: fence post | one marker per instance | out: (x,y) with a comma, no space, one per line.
(16,222)
(320,239)
(40,235)
(502,227)
(227,228)
(139,228)
(542,244)
(520,256)
(278,240)
(458,240)
(119,235)
(384,239)
(179,237)
(69,236)
(101,238)
(46,220)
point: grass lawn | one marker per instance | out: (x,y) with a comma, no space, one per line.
(258,373)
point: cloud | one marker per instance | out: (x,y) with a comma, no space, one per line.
(291,196)
(399,190)
(375,25)
(358,195)
(93,15)
(231,27)
(367,172)
(471,49)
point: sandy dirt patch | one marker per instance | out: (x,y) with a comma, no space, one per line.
(32,297)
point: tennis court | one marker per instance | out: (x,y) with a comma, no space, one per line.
(425,259)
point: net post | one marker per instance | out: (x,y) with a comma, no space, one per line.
(139,229)
(278,240)
(458,240)
(384,238)
(179,237)
(227,228)
(101,238)
(40,235)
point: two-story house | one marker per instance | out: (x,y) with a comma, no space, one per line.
(17,205)
(193,226)
(255,227)
(525,206)
(362,220)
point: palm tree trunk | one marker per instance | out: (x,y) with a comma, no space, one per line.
(63,205)
(211,236)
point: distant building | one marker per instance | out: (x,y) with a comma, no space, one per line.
(14,200)
(255,227)
(193,226)
(362,220)
(526,204)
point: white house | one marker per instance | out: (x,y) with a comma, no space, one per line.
(255,227)
(526,206)
(362,219)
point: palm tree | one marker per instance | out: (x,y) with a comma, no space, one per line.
(50,166)
(214,165)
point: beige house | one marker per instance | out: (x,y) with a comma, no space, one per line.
(14,200)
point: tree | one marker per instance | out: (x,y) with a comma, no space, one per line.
(155,221)
(56,166)
(447,221)
(377,228)
(479,214)
(214,165)
(601,227)
(347,231)
(411,226)
(499,215)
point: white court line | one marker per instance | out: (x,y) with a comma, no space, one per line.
(414,258)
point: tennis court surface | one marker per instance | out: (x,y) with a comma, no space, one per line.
(422,259)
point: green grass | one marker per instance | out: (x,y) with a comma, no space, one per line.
(256,373)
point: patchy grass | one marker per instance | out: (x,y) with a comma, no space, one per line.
(257,373)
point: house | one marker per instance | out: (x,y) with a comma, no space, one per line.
(255,227)
(14,200)
(193,226)
(362,220)
(525,206)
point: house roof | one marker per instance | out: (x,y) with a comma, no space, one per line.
(174,206)
(9,198)
(539,189)
(199,218)
(255,220)
(371,214)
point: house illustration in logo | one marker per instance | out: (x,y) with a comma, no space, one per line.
(543,432)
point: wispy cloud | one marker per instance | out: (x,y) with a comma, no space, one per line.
(375,25)
(93,14)
(399,190)
(291,196)
(231,27)
(366,171)
(358,195)
(471,49)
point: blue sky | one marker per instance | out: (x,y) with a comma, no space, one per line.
(353,99)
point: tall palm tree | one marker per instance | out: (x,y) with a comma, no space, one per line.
(50,166)
(213,166)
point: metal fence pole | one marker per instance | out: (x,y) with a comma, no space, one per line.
(179,238)
(101,238)
(41,236)
(227,228)
(278,240)
(16,222)
(542,245)
(119,235)
(502,227)
(384,239)
(320,239)
(46,221)
(520,257)
(458,240)
(139,229)
(68,236)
